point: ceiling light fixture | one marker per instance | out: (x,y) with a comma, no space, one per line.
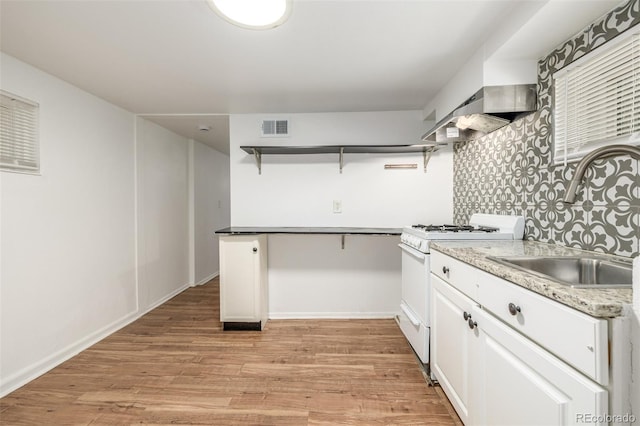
(253,14)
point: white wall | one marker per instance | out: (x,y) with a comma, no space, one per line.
(163,213)
(477,72)
(297,190)
(67,235)
(102,235)
(635,341)
(310,275)
(211,208)
(467,81)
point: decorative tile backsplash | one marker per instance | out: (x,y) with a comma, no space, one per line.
(511,171)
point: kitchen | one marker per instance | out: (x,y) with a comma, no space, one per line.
(142,267)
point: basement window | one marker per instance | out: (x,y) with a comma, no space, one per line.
(597,99)
(19,145)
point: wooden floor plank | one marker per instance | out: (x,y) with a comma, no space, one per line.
(176,365)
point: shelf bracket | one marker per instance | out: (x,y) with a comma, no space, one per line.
(258,156)
(426,156)
(341,165)
(342,241)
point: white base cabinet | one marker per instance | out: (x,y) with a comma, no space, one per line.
(451,341)
(243,281)
(516,382)
(494,373)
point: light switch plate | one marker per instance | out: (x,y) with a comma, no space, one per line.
(337,206)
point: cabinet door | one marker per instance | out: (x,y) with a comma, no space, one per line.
(451,338)
(516,382)
(578,339)
(240,278)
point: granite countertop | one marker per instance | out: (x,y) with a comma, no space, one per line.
(598,302)
(250,230)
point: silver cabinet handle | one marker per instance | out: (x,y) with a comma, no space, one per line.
(255,249)
(472,324)
(514,309)
(445,270)
(466,315)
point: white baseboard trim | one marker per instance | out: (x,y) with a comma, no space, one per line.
(27,374)
(207,279)
(332,315)
(171,295)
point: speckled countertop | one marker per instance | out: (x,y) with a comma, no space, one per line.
(599,302)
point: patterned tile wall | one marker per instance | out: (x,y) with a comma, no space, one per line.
(511,171)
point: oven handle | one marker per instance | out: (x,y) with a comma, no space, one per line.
(412,251)
(412,318)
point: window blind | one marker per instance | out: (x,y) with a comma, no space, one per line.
(19,148)
(597,99)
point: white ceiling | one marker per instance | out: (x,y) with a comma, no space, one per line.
(191,126)
(178,57)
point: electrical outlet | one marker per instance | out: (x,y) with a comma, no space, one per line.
(337,206)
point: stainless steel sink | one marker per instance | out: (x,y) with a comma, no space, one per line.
(579,272)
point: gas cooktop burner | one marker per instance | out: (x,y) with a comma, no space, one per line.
(454,228)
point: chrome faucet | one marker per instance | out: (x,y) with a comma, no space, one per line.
(605,151)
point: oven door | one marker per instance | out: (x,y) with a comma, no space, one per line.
(414,315)
(415,282)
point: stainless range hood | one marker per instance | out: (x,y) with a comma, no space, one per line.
(489,109)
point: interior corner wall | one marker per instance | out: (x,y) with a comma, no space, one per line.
(67,249)
(462,85)
(101,235)
(635,363)
(211,208)
(517,160)
(299,190)
(162,159)
(635,340)
(314,276)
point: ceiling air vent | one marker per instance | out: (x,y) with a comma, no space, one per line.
(275,128)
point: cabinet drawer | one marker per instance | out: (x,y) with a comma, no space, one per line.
(461,276)
(416,333)
(577,338)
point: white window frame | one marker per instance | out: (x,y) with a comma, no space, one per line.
(19,134)
(576,132)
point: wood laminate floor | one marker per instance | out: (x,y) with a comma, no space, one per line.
(175,365)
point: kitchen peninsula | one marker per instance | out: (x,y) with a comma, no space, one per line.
(316,272)
(251,230)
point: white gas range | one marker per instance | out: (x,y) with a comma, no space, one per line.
(416,285)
